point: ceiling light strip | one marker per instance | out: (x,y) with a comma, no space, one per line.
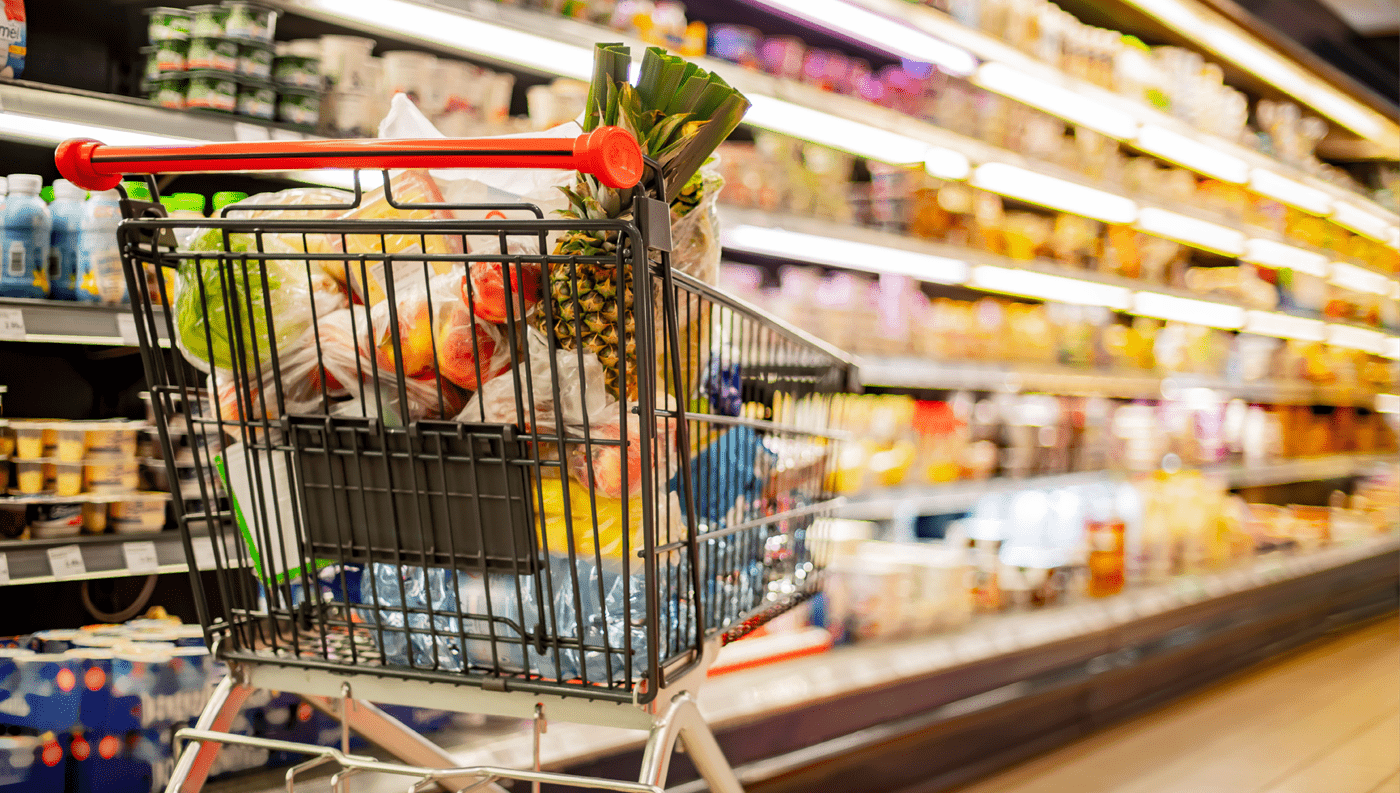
(1028,283)
(1048,191)
(1279,256)
(1191,231)
(835,252)
(1192,154)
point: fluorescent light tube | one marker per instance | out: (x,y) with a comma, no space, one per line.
(1056,100)
(1361,221)
(854,137)
(891,35)
(1355,338)
(35,129)
(849,254)
(1192,154)
(1036,188)
(1276,254)
(1197,233)
(1359,279)
(1284,326)
(1027,283)
(1388,403)
(1288,191)
(1184,309)
(462,33)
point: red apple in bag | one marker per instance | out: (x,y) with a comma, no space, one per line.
(469,351)
(486,292)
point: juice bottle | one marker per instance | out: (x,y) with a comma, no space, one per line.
(1106,534)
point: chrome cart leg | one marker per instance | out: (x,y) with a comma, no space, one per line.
(398,739)
(218,715)
(682,721)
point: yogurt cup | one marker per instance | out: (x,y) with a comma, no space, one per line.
(138,513)
(54,520)
(64,478)
(168,91)
(216,54)
(29,439)
(208,21)
(111,476)
(94,517)
(249,21)
(111,439)
(299,106)
(165,57)
(254,61)
(257,99)
(210,90)
(4,475)
(167,24)
(71,443)
(29,477)
(7,442)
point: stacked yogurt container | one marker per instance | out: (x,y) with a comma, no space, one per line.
(213,57)
(76,476)
(189,439)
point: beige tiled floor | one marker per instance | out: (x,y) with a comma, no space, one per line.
(1324,720)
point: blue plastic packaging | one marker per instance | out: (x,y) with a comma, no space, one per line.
(67,211)
(24,245)
(39,690)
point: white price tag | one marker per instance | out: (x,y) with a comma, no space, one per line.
(12,324)
(126,328)
(66,561)
(4,569)
(203,552)
(140,557)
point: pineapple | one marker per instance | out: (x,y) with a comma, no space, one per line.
(679,114)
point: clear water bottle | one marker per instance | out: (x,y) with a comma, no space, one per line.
(99,275)
(25,242)
(67,212)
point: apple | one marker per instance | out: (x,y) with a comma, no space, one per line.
(486,293)
(461,338)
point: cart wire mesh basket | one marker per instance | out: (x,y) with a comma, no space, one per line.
(420,456)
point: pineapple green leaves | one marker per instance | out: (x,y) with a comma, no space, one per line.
(678,112)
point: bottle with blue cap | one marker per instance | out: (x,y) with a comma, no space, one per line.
(67,211)
(24,245)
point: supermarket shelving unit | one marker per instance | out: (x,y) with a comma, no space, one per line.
(102,555)
(1031,680)
(955,497)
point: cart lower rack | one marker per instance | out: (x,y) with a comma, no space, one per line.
(464,456)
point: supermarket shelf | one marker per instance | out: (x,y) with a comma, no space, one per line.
(839,706)
(851,247)
(33,561)
(909,372)
(65,322)
(989,48)
(953,497)
(119,120)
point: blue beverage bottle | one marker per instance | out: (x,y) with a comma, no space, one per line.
(24,245)
(67,211)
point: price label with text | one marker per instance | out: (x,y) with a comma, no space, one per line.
(66,561)
(4,569)
(140,557)
(12,324)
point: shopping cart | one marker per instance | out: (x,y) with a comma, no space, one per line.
(567,525)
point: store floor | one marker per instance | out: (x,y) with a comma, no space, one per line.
(1325,719)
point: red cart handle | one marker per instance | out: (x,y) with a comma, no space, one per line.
(609,153)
